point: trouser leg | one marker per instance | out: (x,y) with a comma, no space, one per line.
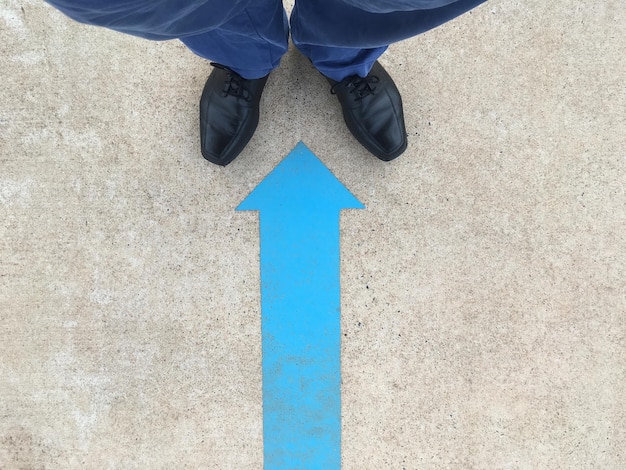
(343,40)
(249,36)
(251,43)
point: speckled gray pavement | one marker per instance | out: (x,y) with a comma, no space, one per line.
(483,289)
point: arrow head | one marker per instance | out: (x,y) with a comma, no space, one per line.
(300,183)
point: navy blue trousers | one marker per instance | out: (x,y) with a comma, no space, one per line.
(340,37)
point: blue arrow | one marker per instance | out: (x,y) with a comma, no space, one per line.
(299,204)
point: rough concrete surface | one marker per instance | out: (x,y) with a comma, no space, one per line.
(483,289)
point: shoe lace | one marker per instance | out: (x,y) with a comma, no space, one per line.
(362,87)
(233,85)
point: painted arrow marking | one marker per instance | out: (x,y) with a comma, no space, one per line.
(299,203)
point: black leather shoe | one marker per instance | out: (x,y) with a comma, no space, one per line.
(372,109)
(229,114)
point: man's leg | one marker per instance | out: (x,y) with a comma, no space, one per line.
(248,47)
(250,43)
(344,41)
(247,37)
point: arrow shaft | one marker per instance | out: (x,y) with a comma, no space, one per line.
(300,296)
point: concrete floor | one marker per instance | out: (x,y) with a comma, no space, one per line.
(483,289)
